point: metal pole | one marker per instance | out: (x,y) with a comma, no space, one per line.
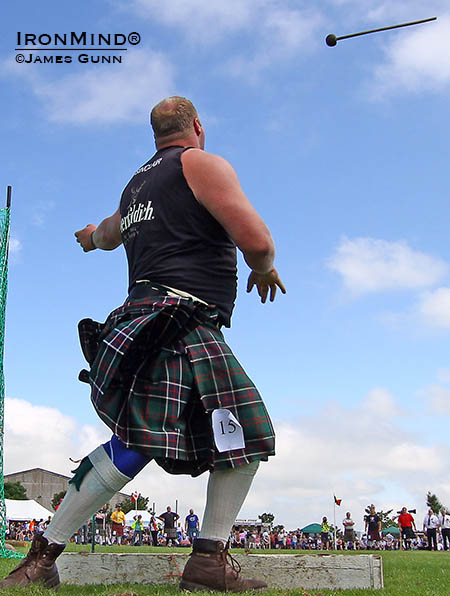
(8,196)
(93,530)
(334,523)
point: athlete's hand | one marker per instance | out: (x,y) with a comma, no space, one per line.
(84,237)
(264,283)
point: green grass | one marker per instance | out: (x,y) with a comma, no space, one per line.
(416,573)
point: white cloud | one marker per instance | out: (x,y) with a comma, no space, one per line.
(360,454)
(209,22)
(373,265)
(113,93)
(15,246)
(438,398)
(386,12)
(357,453)
(275,30)
(408,457)
(282,33)
(381,402)
(413,59)
(292,29)
(200,21)
(434,307)
(417,61)
(43,437)
(429,313)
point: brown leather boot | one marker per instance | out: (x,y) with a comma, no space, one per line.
(211,567)
(38,566)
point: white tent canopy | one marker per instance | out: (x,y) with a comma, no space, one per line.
(25,510)
(129,517)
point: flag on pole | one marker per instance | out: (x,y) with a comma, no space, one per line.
(337,501)
(135,496)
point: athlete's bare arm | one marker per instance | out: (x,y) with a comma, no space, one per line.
(216,186)
(105,236)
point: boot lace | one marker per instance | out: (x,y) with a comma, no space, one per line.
(231,561)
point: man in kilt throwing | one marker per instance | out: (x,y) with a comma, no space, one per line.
(161,375)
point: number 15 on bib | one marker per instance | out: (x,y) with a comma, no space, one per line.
(228,433)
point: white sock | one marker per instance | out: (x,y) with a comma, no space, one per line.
(226,493)
(99,485)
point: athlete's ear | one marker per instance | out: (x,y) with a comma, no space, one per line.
(200,132)
(198,127)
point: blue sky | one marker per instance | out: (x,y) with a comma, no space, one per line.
(343,151)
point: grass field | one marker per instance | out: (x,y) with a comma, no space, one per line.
(416,573)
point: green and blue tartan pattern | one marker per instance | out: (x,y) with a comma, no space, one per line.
(159,367)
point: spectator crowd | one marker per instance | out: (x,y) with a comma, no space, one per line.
(167,530)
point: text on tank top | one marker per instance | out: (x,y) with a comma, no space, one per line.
(171,239)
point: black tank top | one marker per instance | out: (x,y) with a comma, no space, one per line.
(171,239)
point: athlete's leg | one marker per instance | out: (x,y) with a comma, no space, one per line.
(208,566)
(102,474)
(227,490)
(99,477)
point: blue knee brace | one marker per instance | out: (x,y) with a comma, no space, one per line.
(126,460)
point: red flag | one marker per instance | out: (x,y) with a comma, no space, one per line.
(135,496)
(337,501)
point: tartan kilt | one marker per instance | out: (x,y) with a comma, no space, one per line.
(117,528)
(349,535)
(159,368)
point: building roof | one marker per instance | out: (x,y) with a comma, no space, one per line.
(39,470)
(52,474)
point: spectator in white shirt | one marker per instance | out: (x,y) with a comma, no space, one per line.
(430,526)
(349,533)
(444,520)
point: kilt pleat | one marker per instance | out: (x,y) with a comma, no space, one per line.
(159,367)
